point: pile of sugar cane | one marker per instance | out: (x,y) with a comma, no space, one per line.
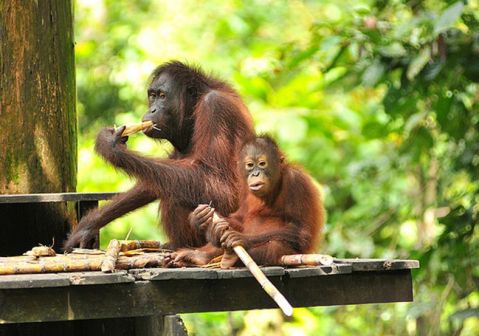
(42,259)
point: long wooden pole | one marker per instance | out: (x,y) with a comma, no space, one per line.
(267,285)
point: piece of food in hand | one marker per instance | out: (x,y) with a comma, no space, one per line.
(139,127)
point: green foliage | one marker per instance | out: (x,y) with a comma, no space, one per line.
(377,99)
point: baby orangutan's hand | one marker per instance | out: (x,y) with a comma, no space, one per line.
(232,238)
(216,231)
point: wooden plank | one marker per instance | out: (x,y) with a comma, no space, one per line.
(32,281)
(301,272)
(63,279)
(55,197)
(98,278)
(190,273)
(144,298)
(353,288)
(379,264)
(271,271)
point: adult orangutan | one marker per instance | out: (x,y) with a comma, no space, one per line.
(281,212)
(206,122)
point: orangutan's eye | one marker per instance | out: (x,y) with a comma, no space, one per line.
(262,164)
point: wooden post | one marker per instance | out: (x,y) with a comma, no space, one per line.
(160,325)
(38,147)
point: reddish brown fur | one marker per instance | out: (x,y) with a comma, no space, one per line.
(288,221)
(211,123)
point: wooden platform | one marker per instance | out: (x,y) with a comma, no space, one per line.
(143,302)
(147,292)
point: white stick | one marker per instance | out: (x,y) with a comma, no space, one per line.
(264,281)
(267,285)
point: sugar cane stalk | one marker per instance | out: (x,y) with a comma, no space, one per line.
(52,265)
(267,285)
(134,128)
(128,245)
(306,260)
(111,256)
(75,263)
(115,246)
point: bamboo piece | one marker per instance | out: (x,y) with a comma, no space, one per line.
(41,251)
(216,259)
(82,251)
(15,259)
(212,265)
(141,261)
(267,285)
(306,260)
(135,128)
(51,266)
(142,251)
(111,256)
(77,263)
(115,246)
(128,245)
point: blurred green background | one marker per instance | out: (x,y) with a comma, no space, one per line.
(377,99)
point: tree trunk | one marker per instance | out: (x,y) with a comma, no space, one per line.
(38,148)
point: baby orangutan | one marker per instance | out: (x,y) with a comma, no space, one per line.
(280,213)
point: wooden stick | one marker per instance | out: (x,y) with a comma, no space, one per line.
(111,256)
(267,285)
(128,245)
(306,260)
(115,246)
(141,261)
(134,128)
(77,263)
(41,251)
(51,265)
